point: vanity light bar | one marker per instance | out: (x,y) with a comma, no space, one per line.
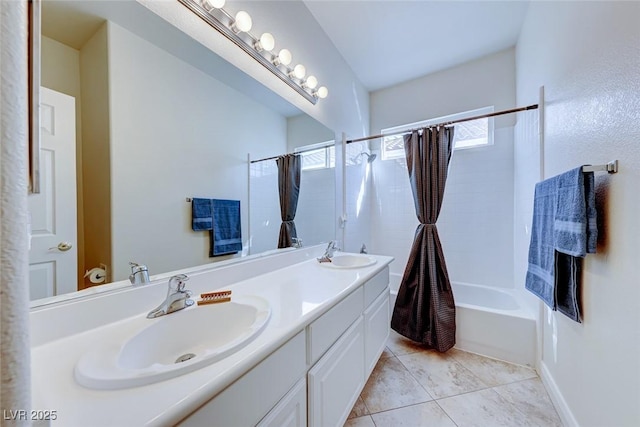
(235,29)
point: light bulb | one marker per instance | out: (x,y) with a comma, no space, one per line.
(266,42)
(322,92)
(213,4)
(311,82)
(284,57)
(299,71)
(243,21)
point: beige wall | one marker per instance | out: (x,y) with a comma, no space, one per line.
(586,54)
(176,132)
(60,69)
(96,157)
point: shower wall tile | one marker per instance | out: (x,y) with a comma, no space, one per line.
(315,217)
(264,205)
(526,175)
(476,221)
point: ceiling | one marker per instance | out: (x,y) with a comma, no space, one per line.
(385,42)
(388,42)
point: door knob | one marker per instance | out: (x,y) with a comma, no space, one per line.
(62,246)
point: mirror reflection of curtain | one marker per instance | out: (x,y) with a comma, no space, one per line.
(425,311)
(289,169)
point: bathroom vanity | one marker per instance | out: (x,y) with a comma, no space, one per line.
(327,327)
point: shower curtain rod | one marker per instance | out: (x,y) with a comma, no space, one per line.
(468,119)
(296,152)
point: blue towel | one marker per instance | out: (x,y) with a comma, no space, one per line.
(564,230)
(226,236)
(540,274)
(575,230)
(201,214)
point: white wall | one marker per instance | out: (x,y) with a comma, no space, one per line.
(476,220)
(303,130)
(587,56)
(293,26)
(486,81)
(175,133)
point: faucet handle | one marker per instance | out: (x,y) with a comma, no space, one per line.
(176,283)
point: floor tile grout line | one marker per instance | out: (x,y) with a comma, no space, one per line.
(446,413)
(486,386)
(416,379)
(402,406)
(535,374)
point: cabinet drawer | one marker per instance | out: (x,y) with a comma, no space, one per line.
(337,379)
(376,330)
(322,333)
(375,286)
(249,399)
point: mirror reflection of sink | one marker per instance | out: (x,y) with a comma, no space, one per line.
(175,344)
(350,261)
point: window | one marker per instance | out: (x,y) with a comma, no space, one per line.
(475,133)
(317,158)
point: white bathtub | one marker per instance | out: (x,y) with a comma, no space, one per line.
(489,321)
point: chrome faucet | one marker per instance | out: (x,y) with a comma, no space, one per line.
(332,247)
(177,297)
(296,242)
(139,274)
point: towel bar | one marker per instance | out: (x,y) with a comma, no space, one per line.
(611,167)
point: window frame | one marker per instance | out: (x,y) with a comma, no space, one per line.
(390,155)
(327,146)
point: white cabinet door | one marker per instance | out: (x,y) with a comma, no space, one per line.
(376,330)
(336,380)
(291,411)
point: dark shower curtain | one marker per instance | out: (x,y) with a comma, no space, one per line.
(425,310)
(289,167)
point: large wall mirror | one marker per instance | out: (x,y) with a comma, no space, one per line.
(136,118)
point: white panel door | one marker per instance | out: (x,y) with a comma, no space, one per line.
(376,330)
(337,379)
(53,256)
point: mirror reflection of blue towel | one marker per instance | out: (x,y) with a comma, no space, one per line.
(201,214)
(226,236)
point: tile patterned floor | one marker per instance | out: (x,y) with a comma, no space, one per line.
(414,387)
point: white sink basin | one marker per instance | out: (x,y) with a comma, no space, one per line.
(350,261)
(174,344)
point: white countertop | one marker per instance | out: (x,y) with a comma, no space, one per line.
(298,294)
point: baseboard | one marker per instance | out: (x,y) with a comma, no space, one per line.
(556,397)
